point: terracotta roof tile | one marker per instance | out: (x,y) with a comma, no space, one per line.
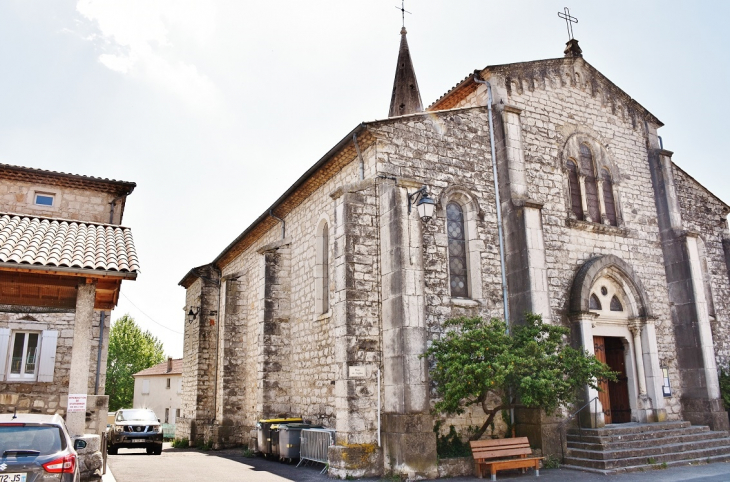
(161,369)
(65,243)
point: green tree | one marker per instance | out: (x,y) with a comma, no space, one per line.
(724,376)
(130,351)
(532,368)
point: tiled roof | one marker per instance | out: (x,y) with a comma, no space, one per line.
(63,243)
(161,369)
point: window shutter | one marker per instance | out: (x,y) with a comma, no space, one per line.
(47,363)
(145,387)
(4,347)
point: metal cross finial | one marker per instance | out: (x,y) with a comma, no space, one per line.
(569,21)
(403,11)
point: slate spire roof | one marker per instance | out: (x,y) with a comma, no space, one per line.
(48,242)
(406,98)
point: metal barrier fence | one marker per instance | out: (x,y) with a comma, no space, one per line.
(168,430)
(314,445)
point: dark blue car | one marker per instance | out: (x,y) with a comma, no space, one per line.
(37,448)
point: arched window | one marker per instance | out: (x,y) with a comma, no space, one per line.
(608,202)
(321,270)
(594,303)
(457,250)
(588,170)
(608,298)
(616,304)
(574,186)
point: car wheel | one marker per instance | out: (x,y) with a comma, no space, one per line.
(150,450)
(111,450)
(158,450)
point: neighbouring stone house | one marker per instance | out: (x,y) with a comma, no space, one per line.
(160,388)
(322,306)
(63,256)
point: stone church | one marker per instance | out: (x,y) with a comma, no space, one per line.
(552,193)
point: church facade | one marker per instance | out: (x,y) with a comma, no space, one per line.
(322,307)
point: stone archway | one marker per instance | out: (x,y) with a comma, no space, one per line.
(610,311)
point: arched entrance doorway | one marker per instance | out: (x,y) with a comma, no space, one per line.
(607,301)
(613,321)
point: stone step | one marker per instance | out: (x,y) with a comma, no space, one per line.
(621,442)
(629,428)
(649,462)
(639,435)
(645,467)
(650,451)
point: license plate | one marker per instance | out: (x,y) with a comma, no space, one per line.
(17,477)
(134,440)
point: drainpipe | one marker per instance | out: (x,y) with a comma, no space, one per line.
(217,342)
(283,223)
(499,220)
(98,355)
(497,200)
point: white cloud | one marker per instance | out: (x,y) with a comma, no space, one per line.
(137,39)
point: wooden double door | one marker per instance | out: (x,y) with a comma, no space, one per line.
(614,396)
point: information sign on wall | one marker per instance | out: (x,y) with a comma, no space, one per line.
(76,403)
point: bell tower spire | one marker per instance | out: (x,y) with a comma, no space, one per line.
(406,98)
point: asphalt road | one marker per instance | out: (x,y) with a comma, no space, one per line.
(189,465)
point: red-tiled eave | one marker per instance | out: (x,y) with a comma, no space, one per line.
(161,369)
(30,174)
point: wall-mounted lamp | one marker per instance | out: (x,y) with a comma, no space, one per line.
(424,204)
(193,313)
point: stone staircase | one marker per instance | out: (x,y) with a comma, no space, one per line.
(631,447)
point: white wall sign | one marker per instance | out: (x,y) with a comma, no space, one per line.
(357,371)
(76,403)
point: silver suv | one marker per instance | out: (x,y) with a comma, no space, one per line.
(135,428)
(37,448)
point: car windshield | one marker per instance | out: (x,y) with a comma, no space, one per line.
(145,415)
(46,439)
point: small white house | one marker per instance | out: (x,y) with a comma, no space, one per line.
(160,388)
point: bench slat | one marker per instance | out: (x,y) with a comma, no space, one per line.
(492,454)
(501,447)
(501,441)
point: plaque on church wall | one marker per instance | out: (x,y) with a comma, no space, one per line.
(357,372)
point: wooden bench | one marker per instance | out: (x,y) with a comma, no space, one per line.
(501,455)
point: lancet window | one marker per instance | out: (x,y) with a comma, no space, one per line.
(457,251)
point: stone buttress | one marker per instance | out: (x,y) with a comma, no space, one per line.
(701,402)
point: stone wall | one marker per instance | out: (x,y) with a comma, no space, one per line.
(69,203)
(50,397)
(704,213)
(199,358)
(571,99)
(449,153)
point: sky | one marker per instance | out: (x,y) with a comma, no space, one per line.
(214,108)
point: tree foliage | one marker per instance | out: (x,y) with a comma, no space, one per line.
(724,377)
(130,351)
(533,367)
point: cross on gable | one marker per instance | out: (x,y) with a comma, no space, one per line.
(403,12)
(569,21)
